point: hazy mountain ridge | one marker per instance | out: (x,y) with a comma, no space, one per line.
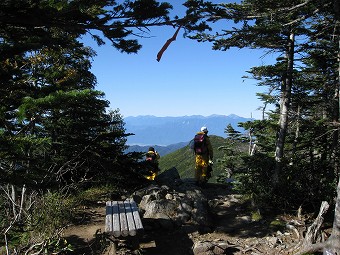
(152,130)
(162,150)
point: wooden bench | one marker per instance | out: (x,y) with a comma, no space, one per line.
(123,221)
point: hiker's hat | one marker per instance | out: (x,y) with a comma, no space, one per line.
(204,129)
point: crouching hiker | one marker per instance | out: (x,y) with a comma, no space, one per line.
(151,159)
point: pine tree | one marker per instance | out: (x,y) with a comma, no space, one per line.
(308,92)
(50,115)
(30,25)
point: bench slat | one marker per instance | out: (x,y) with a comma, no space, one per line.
(116,228)
(122,218)
(136,216)
(108,217)
(129,217)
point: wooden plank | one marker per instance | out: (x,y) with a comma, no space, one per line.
(129,217)
(116,228)
(136,216)
(108,217)
(122,218)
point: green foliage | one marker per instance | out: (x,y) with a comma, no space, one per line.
(59,128)
(298,141)
(232,134)
(56,132)
(254,178)
(92,195)
(256,215)
(3,216)
(50,213)
(277,225)
(82,140)
(52,121)
(234,148)
(39,221)
(61,21)
(262,133)
(306,170)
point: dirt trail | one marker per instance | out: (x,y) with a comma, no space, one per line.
(232,224)
(82,235)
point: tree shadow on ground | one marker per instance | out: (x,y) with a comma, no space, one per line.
(233,216)
(81,246)
(169,241)
(165,242)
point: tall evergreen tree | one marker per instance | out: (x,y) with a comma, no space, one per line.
(290,28)
(266,25)
(55,131)
(29,25)
(45,78)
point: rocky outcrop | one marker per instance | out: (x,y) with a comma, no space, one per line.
(174,204)
(171,202)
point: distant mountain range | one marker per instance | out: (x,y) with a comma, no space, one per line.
(163,131)
(162,150)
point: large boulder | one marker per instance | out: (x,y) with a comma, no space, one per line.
(169,177)
(170,202)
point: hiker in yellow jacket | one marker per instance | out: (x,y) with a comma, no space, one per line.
(152,157)
(204,154)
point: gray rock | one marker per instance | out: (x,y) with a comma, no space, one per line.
(203,248)
(173,205)
(163,206)
(207,247)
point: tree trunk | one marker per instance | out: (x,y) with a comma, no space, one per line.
(336,119)
(313,232)
(332,246)
(285,98)
(297,135)
(13,199)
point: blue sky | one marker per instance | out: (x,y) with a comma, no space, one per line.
(190,79)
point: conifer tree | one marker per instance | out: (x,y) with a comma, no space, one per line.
(298,30)
(55,129)
(45,78)
(30,25)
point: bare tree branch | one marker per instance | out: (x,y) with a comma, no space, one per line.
(167,43)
